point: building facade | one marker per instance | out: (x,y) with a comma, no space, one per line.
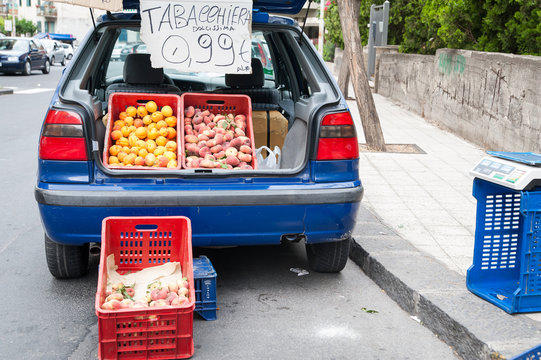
(51,17)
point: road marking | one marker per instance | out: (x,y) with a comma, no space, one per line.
(33,91)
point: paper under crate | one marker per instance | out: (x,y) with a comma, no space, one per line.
(146,333)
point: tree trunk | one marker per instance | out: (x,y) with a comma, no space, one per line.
(349,19)
(343,74)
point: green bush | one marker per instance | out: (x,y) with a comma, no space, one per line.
(25,27)
(511,26)
(399,10)
(333,31)
(2,29)
(423,26)
(328,51)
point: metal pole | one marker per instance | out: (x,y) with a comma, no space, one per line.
(386,6)
(13,33)
(321,35)
(371,42)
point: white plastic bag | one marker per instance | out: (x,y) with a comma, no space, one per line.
(272,161)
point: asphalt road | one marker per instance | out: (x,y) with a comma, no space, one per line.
(266,310)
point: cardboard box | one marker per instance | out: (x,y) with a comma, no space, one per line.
(270,129)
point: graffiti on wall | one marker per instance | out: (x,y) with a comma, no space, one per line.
(451,64)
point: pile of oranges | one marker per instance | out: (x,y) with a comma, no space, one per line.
(144,136)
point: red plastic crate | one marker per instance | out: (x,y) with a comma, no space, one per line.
(150,333)
(119,101)
(220,103)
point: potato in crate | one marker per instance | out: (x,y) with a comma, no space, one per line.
(146,295)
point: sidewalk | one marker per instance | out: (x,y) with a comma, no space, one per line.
(421,258)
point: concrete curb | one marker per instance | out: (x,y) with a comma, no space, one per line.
(438,296)
(4,91)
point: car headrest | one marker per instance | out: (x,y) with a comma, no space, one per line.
(138,70)
(246,81)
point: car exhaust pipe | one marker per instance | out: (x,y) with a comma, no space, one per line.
(292,238)
(95,249)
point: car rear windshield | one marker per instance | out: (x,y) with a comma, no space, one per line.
(130,42)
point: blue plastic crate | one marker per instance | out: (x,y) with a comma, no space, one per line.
(205,288)
(532,354)
(506,268)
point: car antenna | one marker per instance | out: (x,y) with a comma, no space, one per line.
(92,17)
(111,16)
(304,22)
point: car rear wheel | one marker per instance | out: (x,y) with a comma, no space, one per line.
(329,257)
(66,261)
(52,60)
(27,69)
(70,56)
(63,63)
(46,67)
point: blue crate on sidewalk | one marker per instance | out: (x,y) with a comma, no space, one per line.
(205,288)
(506,268)
(532,354)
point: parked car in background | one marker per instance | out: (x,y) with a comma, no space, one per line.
(115,54)
(55,51)
(132,49)
(68,50)
(22,55)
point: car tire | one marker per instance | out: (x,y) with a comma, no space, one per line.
(328,257)
(46,67)
(52,60)
(63,63)
(27,69)
(66,261)
(70,56)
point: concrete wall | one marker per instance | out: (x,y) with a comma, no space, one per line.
(490,99)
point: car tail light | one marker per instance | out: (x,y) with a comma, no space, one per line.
(62,137)
(337,138)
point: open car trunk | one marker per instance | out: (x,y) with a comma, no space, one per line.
(288,93)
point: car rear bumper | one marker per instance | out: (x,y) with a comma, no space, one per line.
(219,218)
(107,198)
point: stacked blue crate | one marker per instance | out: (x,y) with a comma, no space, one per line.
(205,288)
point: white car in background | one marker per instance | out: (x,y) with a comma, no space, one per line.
(115,54)
(55,51)
(68,50)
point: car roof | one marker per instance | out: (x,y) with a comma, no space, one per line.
(256,18)
(262,6)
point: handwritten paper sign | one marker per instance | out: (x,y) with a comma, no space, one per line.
(198,35)
(111,5)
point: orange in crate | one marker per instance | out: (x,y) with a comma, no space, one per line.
(146,333)
(119,104)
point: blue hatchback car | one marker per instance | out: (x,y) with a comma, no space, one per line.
(312,195)
(22,55)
